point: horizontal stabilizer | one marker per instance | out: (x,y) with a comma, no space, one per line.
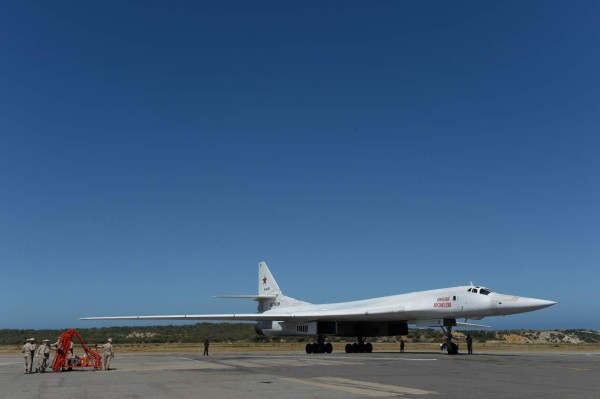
(253,297)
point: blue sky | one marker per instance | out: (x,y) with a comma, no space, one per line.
(151,153)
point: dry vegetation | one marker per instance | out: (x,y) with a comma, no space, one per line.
(240,337)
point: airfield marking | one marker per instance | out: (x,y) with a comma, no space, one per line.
(566,368)
(131,363)
(334,358)
(411,359)
(240,363)
(265,362)
(394,388)
(244,362)
(362,388)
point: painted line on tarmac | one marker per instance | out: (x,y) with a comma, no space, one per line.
(361,388)
(269,361)
(341,359)
(374,385)
(566,368)
(241,363)
(412,359)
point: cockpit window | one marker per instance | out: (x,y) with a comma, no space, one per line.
(484,291)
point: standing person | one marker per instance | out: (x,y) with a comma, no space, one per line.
(401,345)
(70,354)
(469,344)
(28,351)
(206,343)
(43,354)
(55,345)
(107,354)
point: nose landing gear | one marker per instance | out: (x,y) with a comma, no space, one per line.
(451,347)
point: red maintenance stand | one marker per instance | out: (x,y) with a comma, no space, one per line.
(62,361)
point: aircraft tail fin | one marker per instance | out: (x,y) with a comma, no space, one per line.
(266,282)
(267,286)
(269,294)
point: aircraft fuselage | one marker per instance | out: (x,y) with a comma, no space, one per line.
(424,308)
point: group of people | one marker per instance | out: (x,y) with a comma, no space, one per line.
(31,351)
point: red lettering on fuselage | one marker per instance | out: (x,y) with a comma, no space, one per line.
(443,302)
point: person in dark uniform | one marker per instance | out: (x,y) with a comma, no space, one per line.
(469,344)
(401,345)
(206,343)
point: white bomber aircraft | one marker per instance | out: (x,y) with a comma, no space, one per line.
(279,315)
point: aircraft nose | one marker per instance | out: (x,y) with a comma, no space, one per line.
(511,304)
(533,304)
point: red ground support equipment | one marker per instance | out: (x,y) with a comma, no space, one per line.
(62,360)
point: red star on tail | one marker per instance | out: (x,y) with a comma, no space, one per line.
(264,280)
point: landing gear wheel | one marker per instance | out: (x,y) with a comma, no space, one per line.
(451,347)
(309,349)
(360,346)
(320,346)
(315,348)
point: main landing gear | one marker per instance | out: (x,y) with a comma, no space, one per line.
(320,346)
(359,347)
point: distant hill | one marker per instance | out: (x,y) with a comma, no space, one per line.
(231,332)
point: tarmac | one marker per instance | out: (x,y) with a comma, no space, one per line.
(287,375)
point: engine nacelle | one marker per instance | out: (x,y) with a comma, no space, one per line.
(283,328)
(344,329)
(269,328)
